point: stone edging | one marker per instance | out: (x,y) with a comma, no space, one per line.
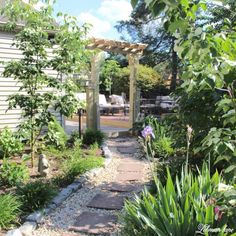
(36,218)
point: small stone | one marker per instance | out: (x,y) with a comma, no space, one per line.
(14,232)
(49,208)
(75,186)
(35,217)
(27,228)
(107,154)
(62,196)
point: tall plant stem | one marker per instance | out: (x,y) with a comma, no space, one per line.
(150,164)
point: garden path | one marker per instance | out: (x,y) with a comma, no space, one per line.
(94,209)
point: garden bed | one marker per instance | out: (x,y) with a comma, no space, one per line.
(23,190)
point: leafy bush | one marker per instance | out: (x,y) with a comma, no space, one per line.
(163,147)
(12,174)
(9,210)
(93,136)
(74,138)
(178,207)
(109,70)
(35,195)
(148,80)
(9,143)
(56,135)
(220,145)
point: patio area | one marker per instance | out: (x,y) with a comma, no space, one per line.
(109,124)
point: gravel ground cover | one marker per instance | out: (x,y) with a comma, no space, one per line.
(58,221)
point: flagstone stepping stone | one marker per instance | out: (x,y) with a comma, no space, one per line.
(120,187)
(130,167)
(129,176)
(66,234)
(127,150)
(94,223)
(108,201)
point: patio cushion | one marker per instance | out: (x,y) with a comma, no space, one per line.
(116,99)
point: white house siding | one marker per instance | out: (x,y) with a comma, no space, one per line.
(8,86)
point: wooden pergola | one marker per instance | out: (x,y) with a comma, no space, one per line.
(133,52)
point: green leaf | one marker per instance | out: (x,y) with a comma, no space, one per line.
(230,168)
(157,8)
(209,215)
(198,31)
(134,3)
(184,2)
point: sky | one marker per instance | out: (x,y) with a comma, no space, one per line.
(102,14)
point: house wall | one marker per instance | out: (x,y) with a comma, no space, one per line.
(8,86)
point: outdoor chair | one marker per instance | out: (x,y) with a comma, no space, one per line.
(118,103)
(106,107)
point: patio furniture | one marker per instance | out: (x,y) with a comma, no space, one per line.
(106,107)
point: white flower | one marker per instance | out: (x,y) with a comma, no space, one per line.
(232,202)
(224,187)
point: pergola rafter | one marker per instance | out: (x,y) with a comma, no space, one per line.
(116,46)
(133,52)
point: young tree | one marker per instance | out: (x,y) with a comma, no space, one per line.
(109,70)
(142,27)
(44,45)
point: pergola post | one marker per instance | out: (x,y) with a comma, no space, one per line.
(133,94)
(92,93)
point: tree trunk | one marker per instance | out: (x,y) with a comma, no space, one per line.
(174,67)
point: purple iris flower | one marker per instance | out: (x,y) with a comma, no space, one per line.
(147,132)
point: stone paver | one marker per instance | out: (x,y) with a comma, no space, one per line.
(66,234)
(130,167)
(127,150)
(120,187)
(94,223)
(108,201)
(129,176)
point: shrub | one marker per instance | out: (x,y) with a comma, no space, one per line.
(12,174)
(9,210)
(93,136)
(148,80)
(74,138)
(163,147)
(35,195)
(177,209)
(9,143)
(56,135)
